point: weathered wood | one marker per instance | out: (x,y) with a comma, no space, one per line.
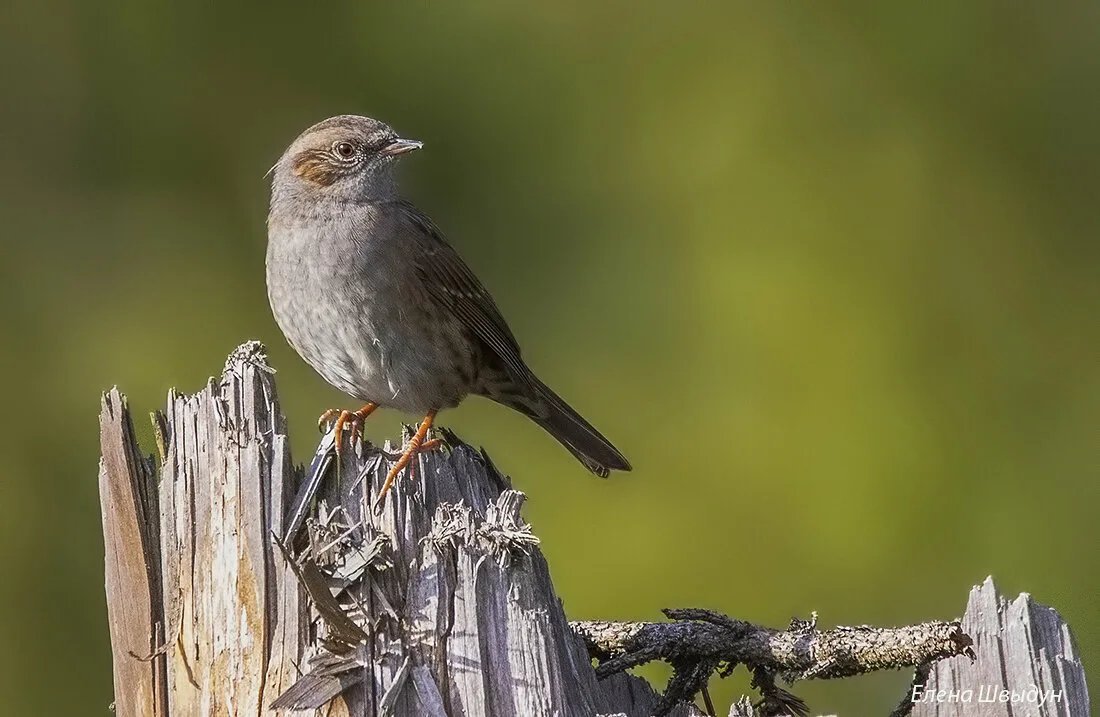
(450,603)
(1020,648)
(1024,650)
(440,603)
(235,613)
(802,652)
(127,496)
(698,642)
(455,599)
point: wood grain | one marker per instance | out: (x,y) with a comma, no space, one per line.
(1022,648)
(441,602)
(127,496)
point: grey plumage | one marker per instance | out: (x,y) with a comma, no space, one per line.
(371,295)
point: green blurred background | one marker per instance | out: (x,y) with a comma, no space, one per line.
(827,273)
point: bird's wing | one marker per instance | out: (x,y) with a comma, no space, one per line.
(456,289)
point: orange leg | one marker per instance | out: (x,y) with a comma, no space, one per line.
(407,455)
(356,419)
(360,419)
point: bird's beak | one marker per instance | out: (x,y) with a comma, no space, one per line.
(400,146)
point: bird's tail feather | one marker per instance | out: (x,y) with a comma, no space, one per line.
(577,435)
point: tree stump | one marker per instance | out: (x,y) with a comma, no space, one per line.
(438,604)
(239,584)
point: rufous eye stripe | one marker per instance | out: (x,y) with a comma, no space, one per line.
(316,166)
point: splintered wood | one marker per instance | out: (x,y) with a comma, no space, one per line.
(440,604)
(1026,664)
(240,585)
(127,497)
(234,615)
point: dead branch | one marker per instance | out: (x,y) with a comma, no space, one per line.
(698,642)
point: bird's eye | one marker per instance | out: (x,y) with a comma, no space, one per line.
(344,150)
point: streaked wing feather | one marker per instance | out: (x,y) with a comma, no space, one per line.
(451,283)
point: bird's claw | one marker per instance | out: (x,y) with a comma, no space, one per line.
(325,421)
(424,447)
(338,421)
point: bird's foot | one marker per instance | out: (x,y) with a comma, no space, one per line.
(340,421)
(424,448)
(417,444)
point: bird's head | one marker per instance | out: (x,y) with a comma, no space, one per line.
(347,157)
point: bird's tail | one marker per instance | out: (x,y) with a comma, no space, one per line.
(563,423)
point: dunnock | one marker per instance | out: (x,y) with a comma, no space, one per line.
(368,291)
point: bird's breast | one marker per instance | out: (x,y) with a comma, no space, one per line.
(355,309)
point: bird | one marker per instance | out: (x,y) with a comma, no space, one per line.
(368,291)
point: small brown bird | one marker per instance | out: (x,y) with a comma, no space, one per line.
(370,294)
